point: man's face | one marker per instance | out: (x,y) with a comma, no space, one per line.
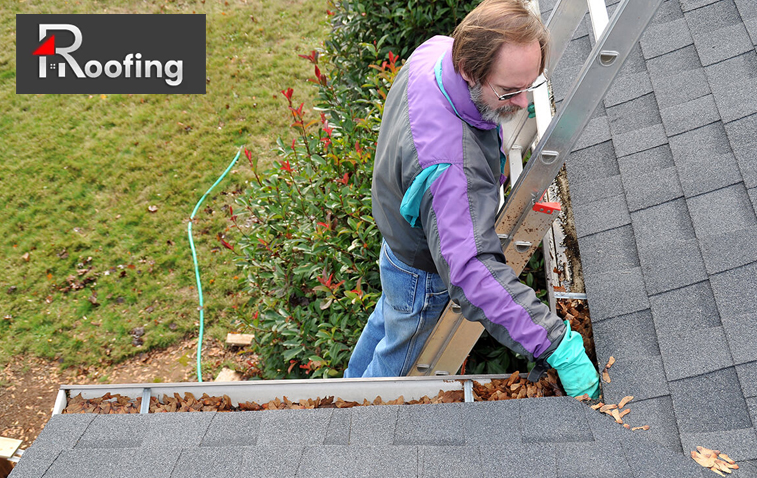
(516,68)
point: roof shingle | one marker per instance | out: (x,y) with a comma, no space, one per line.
(687,353)
(699,310)
(710,402)
(695,152)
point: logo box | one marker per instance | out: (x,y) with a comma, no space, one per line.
(108,54)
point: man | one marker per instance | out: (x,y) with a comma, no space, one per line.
(436,181)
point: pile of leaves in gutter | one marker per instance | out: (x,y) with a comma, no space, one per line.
(577,313)
(510,388)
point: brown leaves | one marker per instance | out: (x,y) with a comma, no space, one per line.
(576,312)
(516,386)
(108,404)
(190,404)
(617,412)
(510,388)
(616,416)
(605,372)
(625,400)
(714,460)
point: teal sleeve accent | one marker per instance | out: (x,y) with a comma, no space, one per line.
(411,202)
(502,157)
(577,373)
(438,73)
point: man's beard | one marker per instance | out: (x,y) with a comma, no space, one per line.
(503,113)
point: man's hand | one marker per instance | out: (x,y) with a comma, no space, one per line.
(577,373)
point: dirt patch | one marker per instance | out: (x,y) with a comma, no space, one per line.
(29,386)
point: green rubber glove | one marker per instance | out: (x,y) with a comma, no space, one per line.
(531,111)
(577,374)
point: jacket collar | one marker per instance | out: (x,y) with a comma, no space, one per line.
(455,89)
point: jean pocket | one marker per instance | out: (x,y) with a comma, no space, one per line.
(437,296)
(398,284)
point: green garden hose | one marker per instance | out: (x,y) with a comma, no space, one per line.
(197,269)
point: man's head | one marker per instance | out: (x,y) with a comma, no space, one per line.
(499,48)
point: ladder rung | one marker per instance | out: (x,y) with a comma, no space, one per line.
(599,18)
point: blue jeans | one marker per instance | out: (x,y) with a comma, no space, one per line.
(407,311)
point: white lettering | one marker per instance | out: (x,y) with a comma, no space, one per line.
(174,69)
(127,65)
(93,64)
(158,66)
(177,74)
(64,51)
(109,66)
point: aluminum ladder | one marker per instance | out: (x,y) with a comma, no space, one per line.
(523,221)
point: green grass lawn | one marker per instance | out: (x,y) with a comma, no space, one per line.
(84,260)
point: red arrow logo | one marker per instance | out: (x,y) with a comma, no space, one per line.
(47,48)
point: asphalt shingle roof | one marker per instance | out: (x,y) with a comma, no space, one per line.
(546,437)
(690,348)
(664,195)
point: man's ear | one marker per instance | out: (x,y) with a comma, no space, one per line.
(466,76)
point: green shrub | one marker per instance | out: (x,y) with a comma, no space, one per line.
(366,29)
(308,242)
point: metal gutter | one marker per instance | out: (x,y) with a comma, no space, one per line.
(263,391)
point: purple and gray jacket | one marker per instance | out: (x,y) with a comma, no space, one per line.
(454,236)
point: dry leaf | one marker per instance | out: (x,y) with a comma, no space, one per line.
(627,426)
(583,398)
(717,471)
(607,408)
(597,406)
(625,412)
(703,460)
(624,401)
(616,416)
(645,427)
(610,362)
(707,451)
(726,458)
(605,376)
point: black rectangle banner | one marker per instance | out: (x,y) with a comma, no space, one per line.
(108,54)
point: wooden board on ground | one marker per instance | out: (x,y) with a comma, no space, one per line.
(8,447)
(239,339)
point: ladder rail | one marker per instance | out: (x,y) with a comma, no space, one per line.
(445,354)
(520,132)
(605,60)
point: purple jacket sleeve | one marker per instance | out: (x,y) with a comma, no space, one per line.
(458,212)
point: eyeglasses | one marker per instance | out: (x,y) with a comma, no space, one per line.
(508,96)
